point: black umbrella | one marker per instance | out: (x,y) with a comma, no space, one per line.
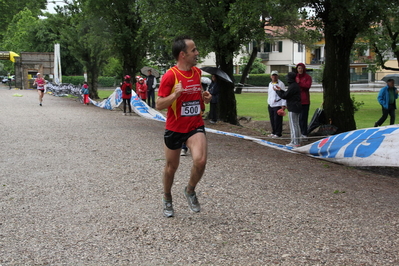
(318,119)
(395,77)
(145,69)
(218,72)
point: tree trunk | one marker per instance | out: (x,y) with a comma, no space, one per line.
(338,105)
(227,99)
(247,68)
(92,80)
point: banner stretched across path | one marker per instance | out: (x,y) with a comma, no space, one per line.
(362,147)
(139,107)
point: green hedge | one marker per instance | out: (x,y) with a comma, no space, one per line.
(102,81)
(257,80)
(260,80)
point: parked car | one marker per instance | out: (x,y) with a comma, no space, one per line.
(5,79)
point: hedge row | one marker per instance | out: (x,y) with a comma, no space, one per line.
(260,80)
(257,80)
(102,81)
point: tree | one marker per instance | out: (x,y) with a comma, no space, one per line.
(86,35)
(222,27)
(129,36)
(256,67)
(341,23)
(10,8)
(383,37)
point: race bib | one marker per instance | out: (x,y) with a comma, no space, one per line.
(191,108)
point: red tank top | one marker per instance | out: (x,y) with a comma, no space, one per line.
(184,115)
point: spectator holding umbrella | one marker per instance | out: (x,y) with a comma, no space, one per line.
(151,85)
(214,89)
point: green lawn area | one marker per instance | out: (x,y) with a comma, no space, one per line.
(255,106)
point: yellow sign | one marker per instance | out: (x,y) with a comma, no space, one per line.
(8,56)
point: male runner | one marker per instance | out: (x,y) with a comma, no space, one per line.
(180,91)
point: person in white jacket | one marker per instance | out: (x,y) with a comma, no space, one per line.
(274,104)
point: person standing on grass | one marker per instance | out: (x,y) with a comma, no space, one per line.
(151,85)
(305,82)
(40,82)
(387,98)
(214,89)
(181,93)
(275,103)
(126,94)
(293,97)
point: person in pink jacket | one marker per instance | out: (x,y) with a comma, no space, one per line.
(305,82)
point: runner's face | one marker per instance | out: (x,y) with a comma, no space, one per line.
(191,55)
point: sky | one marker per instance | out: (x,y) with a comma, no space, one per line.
(51,5)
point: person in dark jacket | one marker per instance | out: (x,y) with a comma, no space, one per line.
(214,91)
(151,85)
(293,97)
(305,82)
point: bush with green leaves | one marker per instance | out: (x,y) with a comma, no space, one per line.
(102,81)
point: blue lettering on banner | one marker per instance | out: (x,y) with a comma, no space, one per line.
(360,143)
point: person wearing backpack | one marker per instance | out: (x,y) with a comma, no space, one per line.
(126,94)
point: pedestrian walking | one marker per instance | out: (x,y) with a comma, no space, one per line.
(126,94)
(40,83)
(387,98)
(181,93)
(275,103)
(293,97)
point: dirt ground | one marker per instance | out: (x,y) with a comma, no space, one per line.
(81,185)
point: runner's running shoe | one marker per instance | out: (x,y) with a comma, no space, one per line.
(192,201)
(168,208)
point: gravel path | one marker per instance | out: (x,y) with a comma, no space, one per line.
(80,185)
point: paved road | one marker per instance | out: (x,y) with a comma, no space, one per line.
(81,186)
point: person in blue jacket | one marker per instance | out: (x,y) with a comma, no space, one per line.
(387,98)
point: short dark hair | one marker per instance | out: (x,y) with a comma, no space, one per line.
(179,44)
(390,80)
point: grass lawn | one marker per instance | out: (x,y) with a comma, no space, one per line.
(255,106)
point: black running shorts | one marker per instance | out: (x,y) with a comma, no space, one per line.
(175,140)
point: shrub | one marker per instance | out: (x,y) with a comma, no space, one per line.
(102,81)
(260,80)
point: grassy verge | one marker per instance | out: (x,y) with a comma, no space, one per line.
(255,106)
